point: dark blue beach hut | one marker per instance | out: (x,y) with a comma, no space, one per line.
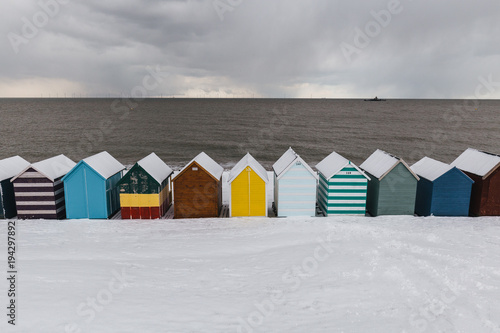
(90,188)
(443,190)
(9,168)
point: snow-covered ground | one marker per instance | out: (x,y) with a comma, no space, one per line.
(338,274)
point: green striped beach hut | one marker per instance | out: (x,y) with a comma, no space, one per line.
(342,186)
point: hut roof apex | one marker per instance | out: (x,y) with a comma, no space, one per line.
(11,166)
(208,164)
(333,163)
(53,167)
(104,164)
(380,163)
(430,169)
(285,162)
(477,162)
(248,160)
(153,165)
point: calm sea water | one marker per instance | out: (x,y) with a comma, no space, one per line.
(178,129)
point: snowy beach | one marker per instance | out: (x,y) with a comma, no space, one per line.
(341,274)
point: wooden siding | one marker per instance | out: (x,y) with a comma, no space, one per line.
(295,192)
(485,196)
(196,194)
(37,197)
(344,193)
(248,194)
(7,200)
(394,194)
(89,195)
(448,195)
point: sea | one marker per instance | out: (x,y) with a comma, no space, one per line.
(177,129)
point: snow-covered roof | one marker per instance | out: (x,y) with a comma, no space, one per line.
(10,167)
(380,163)
(477,162)
(333,163)
(153,165)
(248,160)
(104,164)
(52,168)
(207,163)
(287,160)
(430,168)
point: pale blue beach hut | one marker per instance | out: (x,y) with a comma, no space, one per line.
(294,186)
(90,188)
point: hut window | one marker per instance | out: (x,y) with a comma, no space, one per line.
(195,169)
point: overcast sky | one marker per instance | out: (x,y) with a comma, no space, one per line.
(245,48)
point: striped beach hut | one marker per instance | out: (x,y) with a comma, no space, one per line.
(198,189)
(248,185)
(9,168)
(392,187)
(294,186)
(145,190)
(91,187)
(443,190)
(342,186)
(484,169)
(39,189)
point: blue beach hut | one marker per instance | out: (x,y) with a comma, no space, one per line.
(294,186)
(90,188)
(443,190)
(9,168)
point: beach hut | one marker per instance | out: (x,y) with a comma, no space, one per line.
(248,185)
(145,190)
(392,186)
(39,190)
(342,186)
(198,189)
(91,187)
(9,168)
(294,186)
(443,190)
(484,169)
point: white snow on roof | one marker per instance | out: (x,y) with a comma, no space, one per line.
(248,160)
(332,164)
(430,168)
(10,167)
(477,162)
(379,163)
(207,163)
(286,160)
(104,164)
(153,165)
(54,167)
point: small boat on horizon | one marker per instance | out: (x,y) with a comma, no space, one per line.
(376,99)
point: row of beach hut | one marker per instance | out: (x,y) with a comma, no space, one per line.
(384,184)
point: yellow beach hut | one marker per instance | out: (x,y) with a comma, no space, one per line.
(248,186)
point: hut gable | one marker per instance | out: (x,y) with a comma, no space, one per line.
(477,162)
(155,167)
(443,190)
(198,189)
(342,186)
(248,161)
(206,163)
(12,166)
(248,182)
(104,164)
(334,163)
(380,163)
(294,186)
(287,160)
(39,189)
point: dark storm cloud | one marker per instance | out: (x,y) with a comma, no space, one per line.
(268,48)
